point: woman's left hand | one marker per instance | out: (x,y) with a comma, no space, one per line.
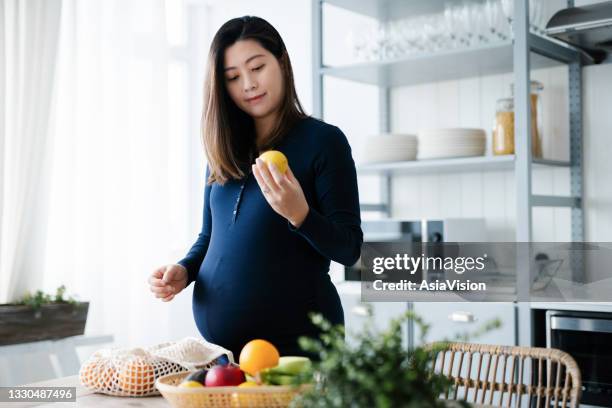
(282,191)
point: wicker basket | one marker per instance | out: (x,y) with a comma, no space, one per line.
(265,396)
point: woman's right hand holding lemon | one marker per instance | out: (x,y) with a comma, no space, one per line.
(168,281)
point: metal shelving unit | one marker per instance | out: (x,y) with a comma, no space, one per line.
(524,52)
(494,58)
(460,164)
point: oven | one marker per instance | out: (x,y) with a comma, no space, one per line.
(586,336)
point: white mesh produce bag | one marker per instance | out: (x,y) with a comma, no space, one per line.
(131,372)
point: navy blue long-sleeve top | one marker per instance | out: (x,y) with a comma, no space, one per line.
(257,276)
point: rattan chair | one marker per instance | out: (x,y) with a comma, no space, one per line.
(506,376)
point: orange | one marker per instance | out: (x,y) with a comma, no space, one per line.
(98,374)
(276,157)
(107,377)
(137,376)
(87,374)
(257,355)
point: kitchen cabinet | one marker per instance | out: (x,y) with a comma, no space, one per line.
(448,319)
(357,313)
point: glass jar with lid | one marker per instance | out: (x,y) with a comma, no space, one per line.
(503,130)
(536,116)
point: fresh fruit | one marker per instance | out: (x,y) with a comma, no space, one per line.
(220,376)
(246,399)
(98,374)
(248,384)
(223,360)
(107,377)
(276,157)
(137,376)
(199,376)
(276,378)
(290,370)
(292,365)
(257,355)
(191,384)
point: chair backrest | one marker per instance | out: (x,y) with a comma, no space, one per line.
(507,376)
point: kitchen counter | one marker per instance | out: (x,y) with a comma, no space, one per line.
(89,399)
(544,302)
(574,306)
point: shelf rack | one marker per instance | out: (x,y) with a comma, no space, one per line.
(489,59)
(525,51)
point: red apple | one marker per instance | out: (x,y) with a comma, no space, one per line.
(221,375)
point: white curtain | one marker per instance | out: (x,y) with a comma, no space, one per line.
(29,33)
(119,196)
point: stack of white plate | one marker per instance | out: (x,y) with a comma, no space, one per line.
(446,143)
(389,148)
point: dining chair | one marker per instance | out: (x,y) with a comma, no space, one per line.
(508,376)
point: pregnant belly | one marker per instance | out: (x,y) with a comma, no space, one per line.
(245,282)
(231,322)
(234,302)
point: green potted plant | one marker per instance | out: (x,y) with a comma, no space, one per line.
(379,371)
(41,316)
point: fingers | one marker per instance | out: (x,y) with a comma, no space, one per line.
(160,285)
(258,178)
(279,178)
(289,176)
(169,274)
(166,294)
(157,274)
(156,282)
(264,177)
(156,277)
(162,291)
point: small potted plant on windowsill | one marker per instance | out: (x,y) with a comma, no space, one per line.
(42,317)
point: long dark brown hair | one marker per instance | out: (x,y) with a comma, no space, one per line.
(228,133)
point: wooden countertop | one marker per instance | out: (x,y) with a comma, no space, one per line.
(89,399)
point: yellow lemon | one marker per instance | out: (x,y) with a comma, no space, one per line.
(276,157)
(191,384)
(248,384)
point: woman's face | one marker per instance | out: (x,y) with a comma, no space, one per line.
(253,78)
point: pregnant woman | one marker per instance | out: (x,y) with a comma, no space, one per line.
(261,262)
